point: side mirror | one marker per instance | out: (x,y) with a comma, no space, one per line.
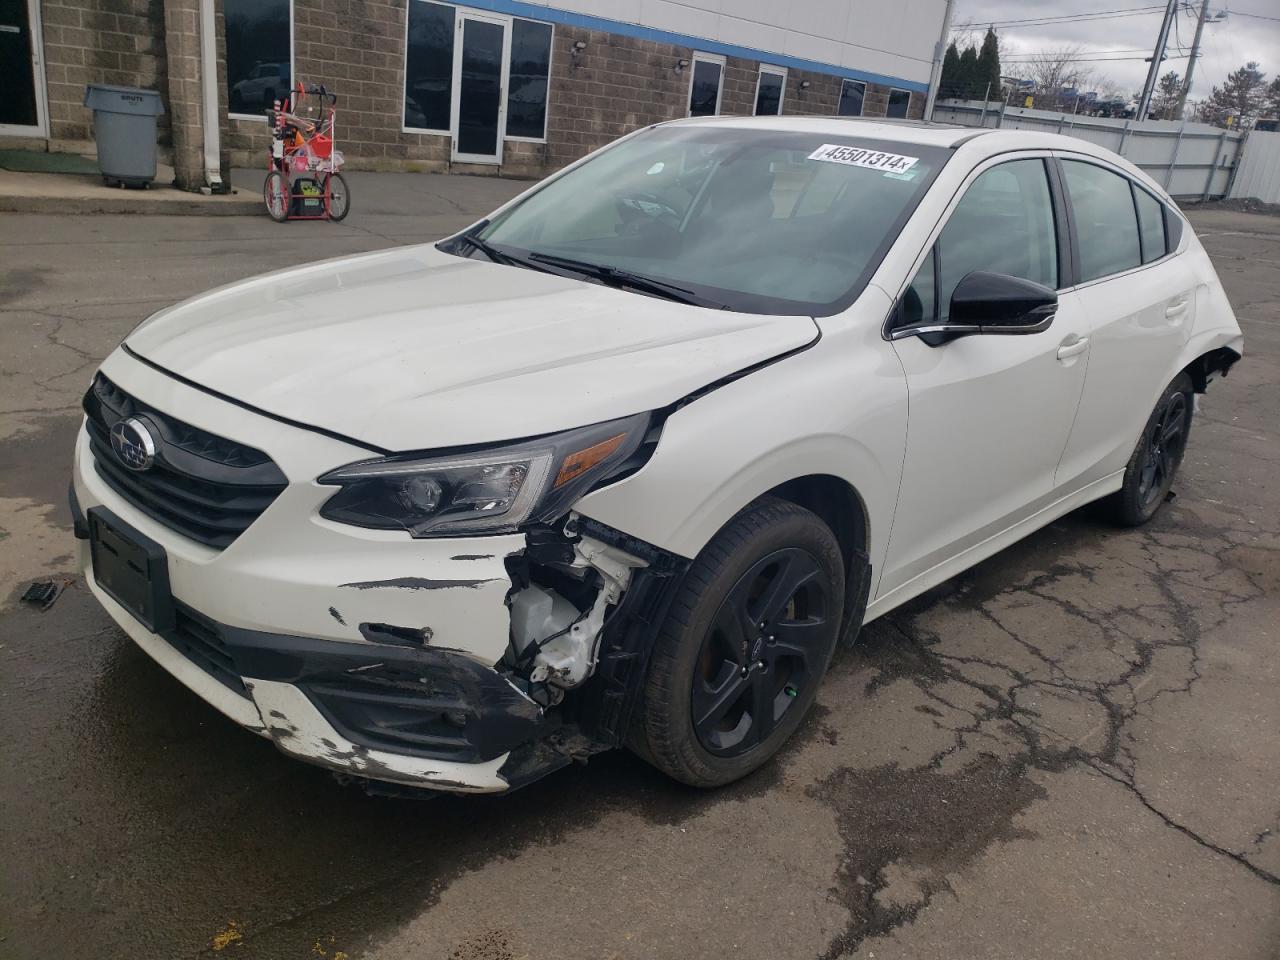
(999,303)
(991,303)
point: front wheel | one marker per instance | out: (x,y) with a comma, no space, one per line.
(275,193)
(1148,477)
(737,662)
(337,198)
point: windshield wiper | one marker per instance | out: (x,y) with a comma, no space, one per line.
(617,277)
(497,256)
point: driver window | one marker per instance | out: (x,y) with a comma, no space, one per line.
(1003,224)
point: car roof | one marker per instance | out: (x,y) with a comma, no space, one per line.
(903,131)
(978,140)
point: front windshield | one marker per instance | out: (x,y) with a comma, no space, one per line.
(746,219)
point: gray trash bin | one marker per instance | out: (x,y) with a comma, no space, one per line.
(124,124)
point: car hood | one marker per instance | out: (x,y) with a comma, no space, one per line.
(411,348)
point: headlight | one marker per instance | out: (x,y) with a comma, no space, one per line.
(489,491)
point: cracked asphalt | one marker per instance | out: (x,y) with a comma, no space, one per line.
(1072,750)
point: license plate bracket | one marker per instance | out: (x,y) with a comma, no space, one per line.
(132,569)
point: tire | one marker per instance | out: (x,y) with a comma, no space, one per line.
(1149,475)
(337,195)
(275,194)
(776,566)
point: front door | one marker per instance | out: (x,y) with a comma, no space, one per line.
(21,76)
(479,79)
(988,415)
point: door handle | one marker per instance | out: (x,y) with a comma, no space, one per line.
(1073,348)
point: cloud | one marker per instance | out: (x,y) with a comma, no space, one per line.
(1225,46)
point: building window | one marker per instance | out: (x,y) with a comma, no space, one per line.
(529,77)
(705,83)
(851,95)
(428,67)
(769,90)
(259,54)
(899,100)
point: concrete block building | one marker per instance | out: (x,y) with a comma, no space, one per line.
(517,87)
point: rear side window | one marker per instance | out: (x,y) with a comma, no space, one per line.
(1150,225)
(1106,223)
(1003,224)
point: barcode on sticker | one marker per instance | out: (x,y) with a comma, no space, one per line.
(862,157)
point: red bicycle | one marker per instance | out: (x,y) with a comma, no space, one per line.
(304,179)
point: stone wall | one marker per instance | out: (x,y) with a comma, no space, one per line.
(118,42)
(613,85)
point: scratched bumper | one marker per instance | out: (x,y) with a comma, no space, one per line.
(304,621)
(415,716)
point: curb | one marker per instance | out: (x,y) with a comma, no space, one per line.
(133,204)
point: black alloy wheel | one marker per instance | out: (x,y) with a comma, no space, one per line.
(738,658)
(1156,456)
(1166,441)
(767,643)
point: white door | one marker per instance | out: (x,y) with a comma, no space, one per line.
(480,67)
(988,415)
(1140,302)
(22,92)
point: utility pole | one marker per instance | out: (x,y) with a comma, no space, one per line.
(1191,63)
(1157,57)
(939,52)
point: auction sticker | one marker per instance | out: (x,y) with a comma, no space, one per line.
(862,157)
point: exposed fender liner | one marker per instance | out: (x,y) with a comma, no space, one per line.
(606,704)
(856,594)
(1209,366)
(332,435)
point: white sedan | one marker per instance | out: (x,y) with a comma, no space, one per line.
(623,462)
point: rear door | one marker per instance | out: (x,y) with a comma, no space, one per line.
(1140,301)
(988,415)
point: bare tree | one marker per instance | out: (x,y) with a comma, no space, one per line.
(1054,71)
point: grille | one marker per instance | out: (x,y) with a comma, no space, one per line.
(204,486)
(197,639)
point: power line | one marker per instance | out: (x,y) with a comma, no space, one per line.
(1255,16)
(1069,21)
(1181,56)
(1082,13)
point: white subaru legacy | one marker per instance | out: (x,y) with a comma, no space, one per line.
(623,462)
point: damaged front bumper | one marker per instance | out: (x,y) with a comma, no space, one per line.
(412,680)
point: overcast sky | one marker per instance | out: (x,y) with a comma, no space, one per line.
(1226,45)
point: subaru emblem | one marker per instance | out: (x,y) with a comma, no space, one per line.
(133,444)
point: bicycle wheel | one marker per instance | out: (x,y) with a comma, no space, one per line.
(275,193)
(337,198)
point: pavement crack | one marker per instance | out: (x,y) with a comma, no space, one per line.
(1168,821)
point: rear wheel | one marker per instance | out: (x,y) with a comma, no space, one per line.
(738,660)
(275,193)
(1155,461)
(337,198)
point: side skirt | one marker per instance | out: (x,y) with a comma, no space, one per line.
(992,545)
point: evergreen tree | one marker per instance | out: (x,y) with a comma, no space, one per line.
(1241,97)
(950,85)
(969,74)
(1273,99)
(1165,101)
(988,66)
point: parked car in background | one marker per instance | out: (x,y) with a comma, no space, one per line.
(623,462)
(267,82)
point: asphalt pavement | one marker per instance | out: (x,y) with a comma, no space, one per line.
(1070,751)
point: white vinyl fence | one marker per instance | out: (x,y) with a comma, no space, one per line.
(1193,161)
(1258,172)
